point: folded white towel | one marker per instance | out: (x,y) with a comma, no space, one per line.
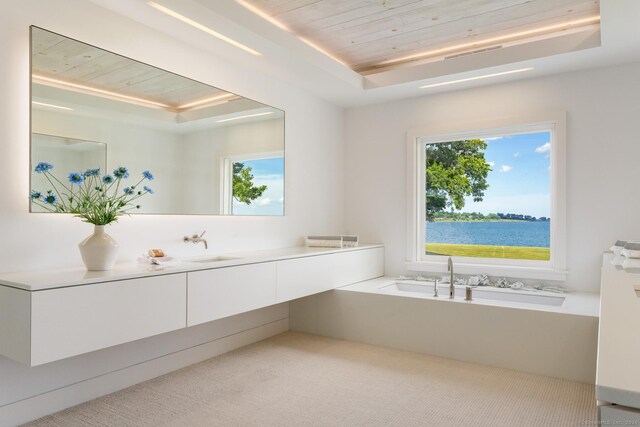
(631,250)
(332,241)
(618,246)
(631,263)
(164,261)
(314,243)
(618,259)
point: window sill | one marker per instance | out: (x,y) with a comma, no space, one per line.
(490,270)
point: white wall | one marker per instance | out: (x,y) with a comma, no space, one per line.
(39,241)
(603,148)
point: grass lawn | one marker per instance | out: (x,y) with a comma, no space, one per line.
(486,251)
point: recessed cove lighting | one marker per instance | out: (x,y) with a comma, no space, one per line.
(280,25)
(508,37)
(206,102)
(108,94)
(244,117)
(43,104)
(486,76)
(201,27)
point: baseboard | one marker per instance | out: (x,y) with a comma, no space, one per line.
(56,400)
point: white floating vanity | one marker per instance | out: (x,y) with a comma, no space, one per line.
(52,315)
(618,375)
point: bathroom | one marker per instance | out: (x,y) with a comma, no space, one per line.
(346,173)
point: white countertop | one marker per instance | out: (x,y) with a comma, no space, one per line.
(618,375)
(38,280)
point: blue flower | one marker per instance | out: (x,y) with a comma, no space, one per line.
(147,175)
(76,178)
(147,189)
(107,179)
(43,167)
(128,191)
(121,172)
(92,172)
(50,199)
(36,195)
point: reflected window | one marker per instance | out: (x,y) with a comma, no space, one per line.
(253,185)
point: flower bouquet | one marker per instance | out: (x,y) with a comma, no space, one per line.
(96,199)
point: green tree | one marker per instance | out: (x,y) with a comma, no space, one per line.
(455,170)
(243,189)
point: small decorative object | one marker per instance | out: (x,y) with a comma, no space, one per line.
(517,285)
(484,280)
(503,283)
(474,281)
(156,253)
(96,199)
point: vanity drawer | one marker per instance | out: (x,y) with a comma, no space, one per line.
(70,321)
(222,292)
(310,275)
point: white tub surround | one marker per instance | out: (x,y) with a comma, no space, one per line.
(528,336)
(618,376)
(52,315)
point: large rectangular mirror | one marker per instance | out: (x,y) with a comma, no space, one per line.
(210,151)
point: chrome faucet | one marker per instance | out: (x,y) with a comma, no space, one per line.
(197,239)
(452,289)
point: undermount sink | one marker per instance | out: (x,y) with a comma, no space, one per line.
(211,259)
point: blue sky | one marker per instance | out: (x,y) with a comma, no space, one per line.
(269,172)
(520,179)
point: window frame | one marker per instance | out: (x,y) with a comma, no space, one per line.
(417,260)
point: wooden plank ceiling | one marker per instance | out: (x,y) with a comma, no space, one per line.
(368,34)
(64,59)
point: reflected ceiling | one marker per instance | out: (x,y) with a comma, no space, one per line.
(62,62)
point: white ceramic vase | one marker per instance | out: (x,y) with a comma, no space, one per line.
(99,250)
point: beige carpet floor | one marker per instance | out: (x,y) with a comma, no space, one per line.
(298,379)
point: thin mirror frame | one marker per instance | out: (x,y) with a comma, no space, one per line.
(284,126)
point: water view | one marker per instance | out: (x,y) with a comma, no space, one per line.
(494,233)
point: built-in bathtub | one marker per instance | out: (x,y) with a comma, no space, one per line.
(478,294)
(532,331)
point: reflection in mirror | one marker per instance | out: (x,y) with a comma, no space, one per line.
(66,154)
(211,151)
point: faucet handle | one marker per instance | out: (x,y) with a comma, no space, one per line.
(203,233)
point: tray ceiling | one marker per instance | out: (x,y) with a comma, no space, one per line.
(368,35)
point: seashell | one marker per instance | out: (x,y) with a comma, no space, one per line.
(484,280)
(517,285)
(503,283)
(474,281)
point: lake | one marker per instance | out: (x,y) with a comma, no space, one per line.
(516,233)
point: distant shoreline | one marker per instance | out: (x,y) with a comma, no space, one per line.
(485,220)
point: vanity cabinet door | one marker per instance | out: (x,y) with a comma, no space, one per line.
(314,274)
(223,292)
(70,321)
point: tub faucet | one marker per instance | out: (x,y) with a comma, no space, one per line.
(196,239)
(452,289)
